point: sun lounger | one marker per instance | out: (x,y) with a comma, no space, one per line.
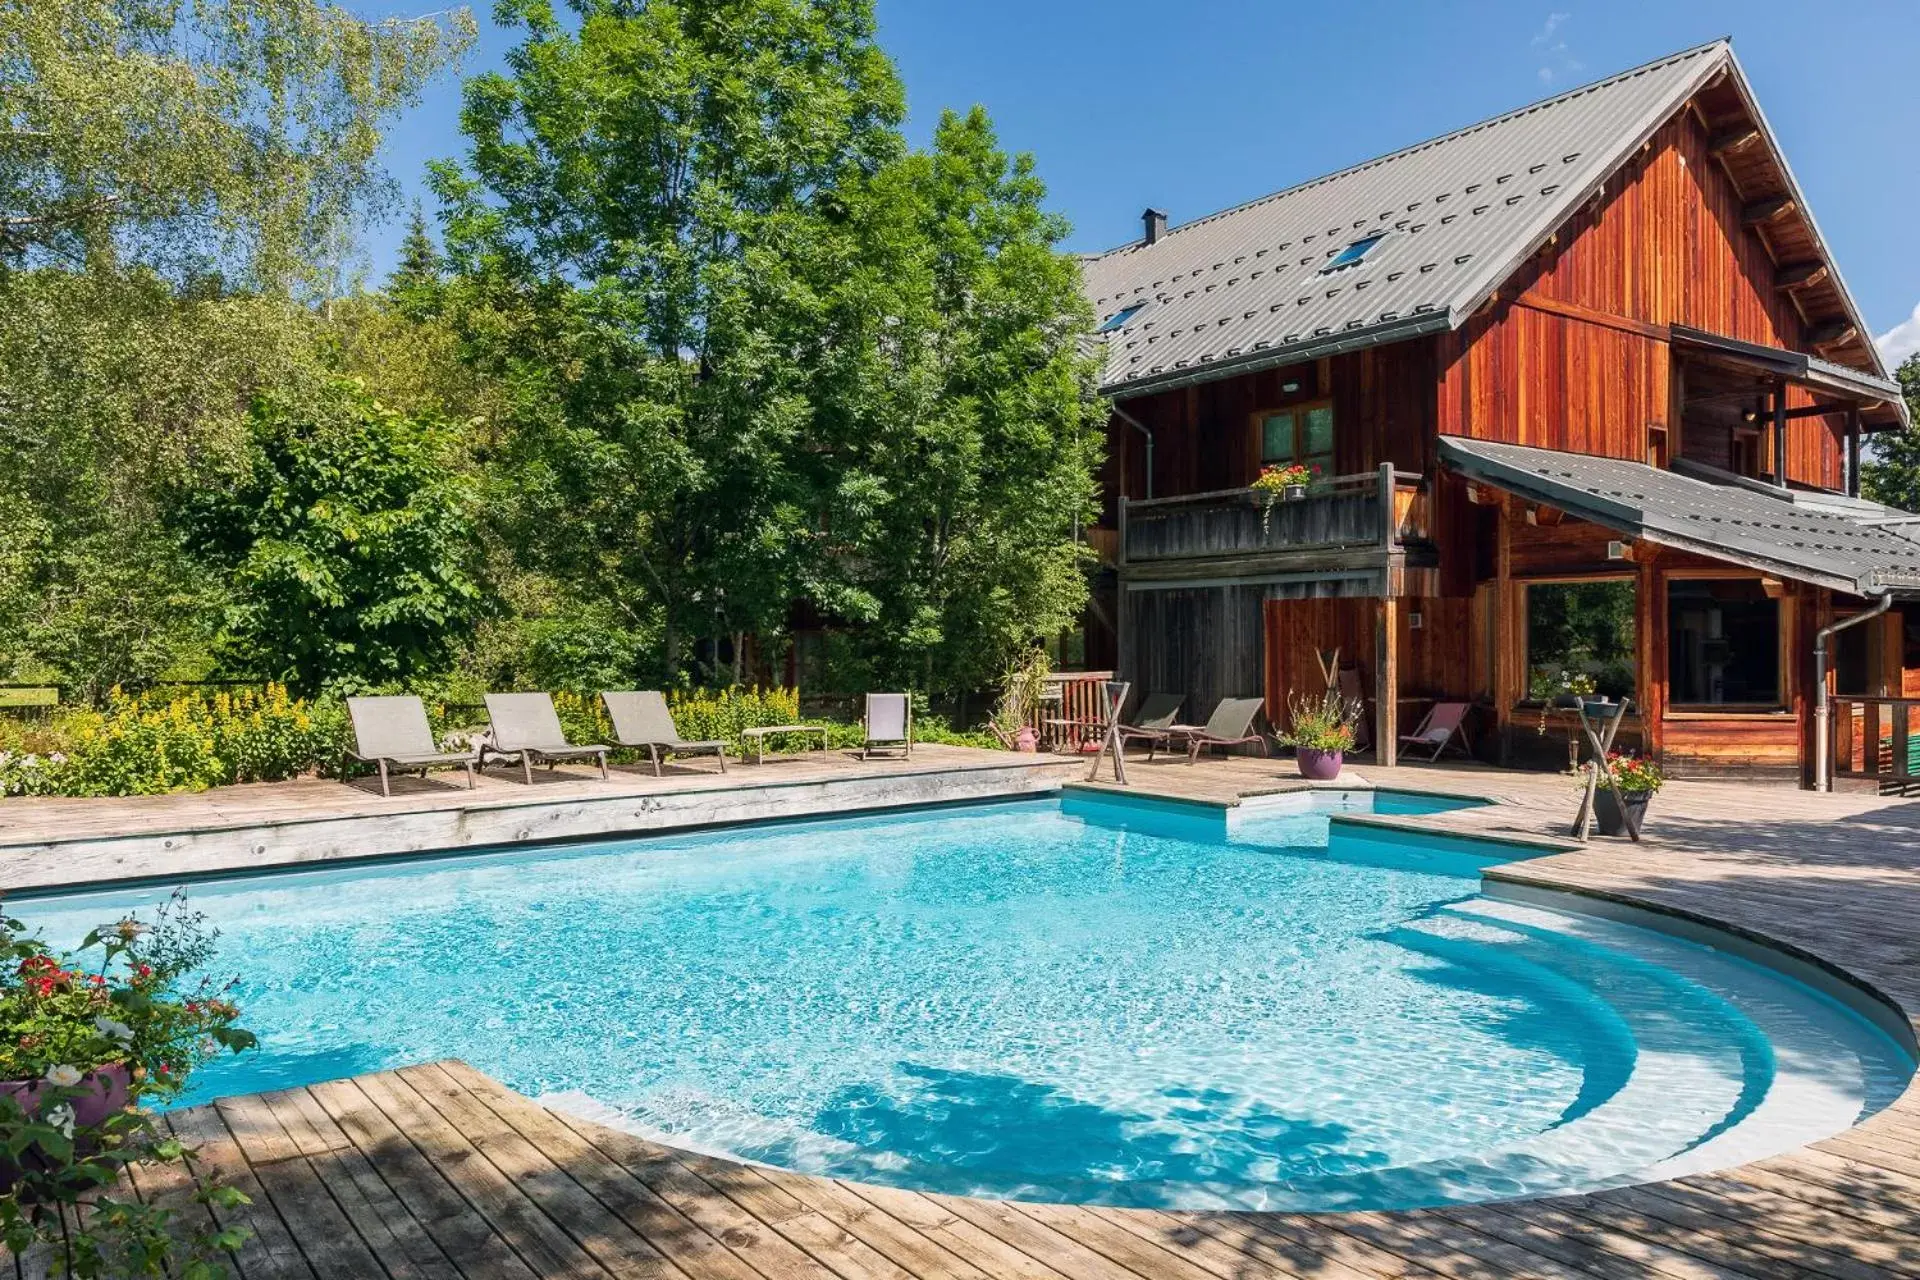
(641,719)
(1153,723)
(392,732)
(1230,725)
(888,724)
(1444,723)
(527,726)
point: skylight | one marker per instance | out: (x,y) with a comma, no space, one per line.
(1355,251)
(1119,318)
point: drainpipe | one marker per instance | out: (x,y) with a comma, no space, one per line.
(1822,713)
(1144,430)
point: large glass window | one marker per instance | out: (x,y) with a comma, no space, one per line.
(1580,639)
(1723,643)
(1303,435)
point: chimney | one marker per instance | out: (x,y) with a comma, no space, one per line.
(1155,221)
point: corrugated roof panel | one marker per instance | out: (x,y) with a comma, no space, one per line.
(1814,540)
(1458,214)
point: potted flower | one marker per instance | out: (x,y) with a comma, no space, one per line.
(1023,687)
(1320,731)
(1637,778)
(83,1036)
(1289,481)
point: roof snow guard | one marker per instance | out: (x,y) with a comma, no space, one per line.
(1814,538)
(1448,220)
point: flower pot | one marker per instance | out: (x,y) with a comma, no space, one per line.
(1295,492)
(104,1091)
(1320,766)
(1026,740)
(1607,810)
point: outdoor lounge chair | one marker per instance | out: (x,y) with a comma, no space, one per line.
(888,725)
(393,733)
(1153,723)
(1230,725)
(641,719)
(1444,723)
(526,725)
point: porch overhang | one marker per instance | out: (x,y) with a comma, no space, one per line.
(1775,531)
(1880,400)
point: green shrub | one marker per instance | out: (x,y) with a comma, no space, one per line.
(156,742)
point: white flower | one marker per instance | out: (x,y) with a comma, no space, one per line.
(60,1117)
(63,1075)
(113,1029)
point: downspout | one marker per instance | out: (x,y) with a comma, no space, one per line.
(1822,713)
(1144,430)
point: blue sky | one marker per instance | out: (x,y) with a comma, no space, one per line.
(1199,105)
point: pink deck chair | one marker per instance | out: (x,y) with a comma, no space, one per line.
(1444,726)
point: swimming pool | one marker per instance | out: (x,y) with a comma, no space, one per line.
(1084,999)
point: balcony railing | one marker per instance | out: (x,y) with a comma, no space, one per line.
(1373,511)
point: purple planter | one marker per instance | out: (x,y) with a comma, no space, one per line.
(105,1092)
(1320,766)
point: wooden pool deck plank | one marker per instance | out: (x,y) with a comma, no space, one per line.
(437,1171)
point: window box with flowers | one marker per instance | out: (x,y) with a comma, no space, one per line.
(1288,482)
(1636,779)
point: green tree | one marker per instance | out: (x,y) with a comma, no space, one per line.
(958,430)
(630,233)
(414,286)
(348,541)
(1891,472)
(235,135)
(172,177)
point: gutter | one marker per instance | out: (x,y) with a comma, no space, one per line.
(1822,712)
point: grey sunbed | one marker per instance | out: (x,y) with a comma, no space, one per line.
(392,732)
(1153,722)
(1230,725)
(888,724)
(526,725)
(641,719)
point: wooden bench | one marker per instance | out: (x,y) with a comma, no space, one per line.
(758,736)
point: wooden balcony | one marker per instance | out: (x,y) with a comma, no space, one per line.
(1351,522)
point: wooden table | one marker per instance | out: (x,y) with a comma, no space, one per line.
(758,736)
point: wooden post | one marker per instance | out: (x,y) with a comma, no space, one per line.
(1853,452)
(1389,526)
(1121,612)
(1386,680)
(1780,433)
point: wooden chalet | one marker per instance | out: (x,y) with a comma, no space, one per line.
(1590,359)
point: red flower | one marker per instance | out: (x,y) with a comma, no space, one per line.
(145,971)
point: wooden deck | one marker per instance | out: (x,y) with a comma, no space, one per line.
(437,1171)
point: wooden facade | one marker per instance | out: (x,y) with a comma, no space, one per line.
(1578,351)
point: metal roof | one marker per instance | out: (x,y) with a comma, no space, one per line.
(1247,288)
(1815,538)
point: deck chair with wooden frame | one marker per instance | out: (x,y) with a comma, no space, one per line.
(1230,725)
(1153,723)
(887,725)
(1444,725)
(527,726)
(641,719)
(392,733)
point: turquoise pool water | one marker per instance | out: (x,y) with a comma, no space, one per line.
(1080,999)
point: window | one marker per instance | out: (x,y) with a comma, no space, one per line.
(1118,319)
(1723,644)
(1355,251)
(1303,434)
(1580,639)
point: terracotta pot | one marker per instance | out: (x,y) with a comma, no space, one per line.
(1608,817)
(1320,766)
(1026,740)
